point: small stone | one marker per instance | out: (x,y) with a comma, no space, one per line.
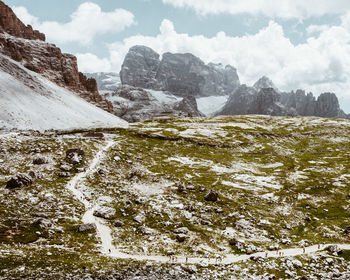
(181,238)
(211,196)
(40,160)
(182,230)
(140,218)
(233,241)
(63,174)
(65,167)
(118,223)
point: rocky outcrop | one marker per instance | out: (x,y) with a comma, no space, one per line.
(188,105)
(135,104)
(10,24)
(140,67)
(265,99)
(327,105)
(181,74)
(29,48)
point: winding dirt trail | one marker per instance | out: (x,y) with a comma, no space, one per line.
(108,249)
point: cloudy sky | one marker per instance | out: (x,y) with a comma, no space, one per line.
(297,43)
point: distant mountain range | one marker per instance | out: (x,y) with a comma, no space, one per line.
(215,87)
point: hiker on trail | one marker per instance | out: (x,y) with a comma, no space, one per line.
(109,250)
(304,250)
(186,259)
(266,255)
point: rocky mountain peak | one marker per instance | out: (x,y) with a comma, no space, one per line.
(264,82)
(10,24)
(181,74)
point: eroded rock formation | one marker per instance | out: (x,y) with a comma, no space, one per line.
(28,47)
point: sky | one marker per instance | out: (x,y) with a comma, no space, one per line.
(298,44)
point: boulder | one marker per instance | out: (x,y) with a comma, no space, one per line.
(181,238)
(118,223)
(181,230)
(75,156)
(65,167)
(140,218)
(347,230)
(87,227)
(104,212)
(40,160)
(19,181)
(211,196)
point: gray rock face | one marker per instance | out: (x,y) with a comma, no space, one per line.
(181,74)
(327,105)
(264,82)
(136,104)
(263,98)
(188,106)
(140,67)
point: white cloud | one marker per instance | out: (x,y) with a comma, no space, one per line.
(86,22)
(317,28)
(287,9)
(89,62)
(320,64)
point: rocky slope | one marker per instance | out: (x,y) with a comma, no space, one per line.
(136,104)
(180,74)
(30,101)
(28,47)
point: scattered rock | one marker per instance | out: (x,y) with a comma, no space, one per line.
(87,227)
(211,196)
(40,160)
(118,223)
(64,174)
(146,230)
(347,230)
(65,167)
(43,223)
(182,230)
(19,181)
(140,218)
(105,213)
(181,238)
(191,269)
(92,134)
(75,156)
(233,241)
